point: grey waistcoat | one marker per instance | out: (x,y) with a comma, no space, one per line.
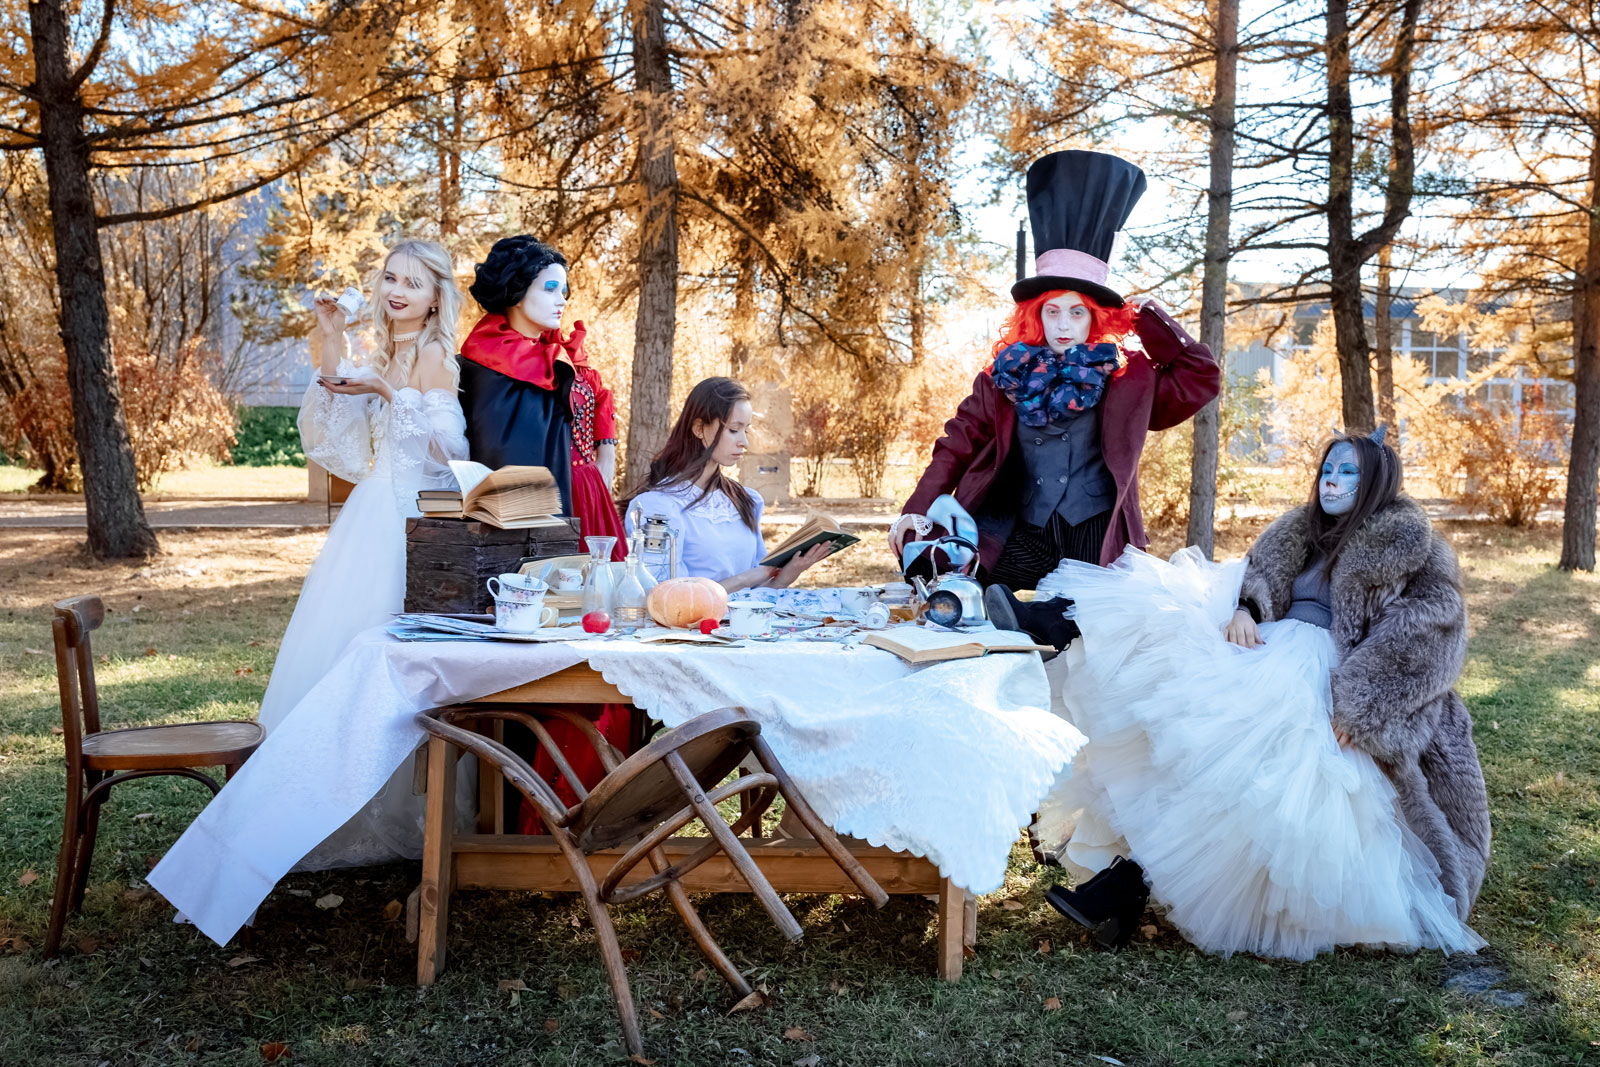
(1066,470)
(1312,597)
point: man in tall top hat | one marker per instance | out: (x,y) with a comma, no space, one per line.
(1044,453)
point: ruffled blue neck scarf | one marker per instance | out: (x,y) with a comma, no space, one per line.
(1045,387)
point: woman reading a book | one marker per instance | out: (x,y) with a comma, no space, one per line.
(1044,454)
(717,520)
(530,394)
(390,422)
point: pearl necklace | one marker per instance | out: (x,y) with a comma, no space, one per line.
(401,339)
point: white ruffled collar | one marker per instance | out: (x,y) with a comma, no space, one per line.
(716,507)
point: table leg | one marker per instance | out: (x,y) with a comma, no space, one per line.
(952,928)
(491,787)
(969,925)
(437,842)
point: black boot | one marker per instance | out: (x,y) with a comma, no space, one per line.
(1041,620)
(1110,904)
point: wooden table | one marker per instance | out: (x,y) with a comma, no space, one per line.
(494,859)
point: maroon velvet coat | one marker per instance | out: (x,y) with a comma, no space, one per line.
(1172,379)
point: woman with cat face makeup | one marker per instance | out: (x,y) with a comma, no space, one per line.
(1277,755)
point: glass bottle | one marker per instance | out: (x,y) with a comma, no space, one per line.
(630,596)
(636,550)
(597,580)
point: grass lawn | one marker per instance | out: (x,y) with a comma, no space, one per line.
(193,635)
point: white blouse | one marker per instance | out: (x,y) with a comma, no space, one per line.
(716,542)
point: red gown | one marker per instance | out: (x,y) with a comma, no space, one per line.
(593,422)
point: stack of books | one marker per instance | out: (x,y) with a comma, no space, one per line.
(511,498)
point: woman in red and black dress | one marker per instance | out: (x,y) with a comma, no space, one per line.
(529,394)
(530,397)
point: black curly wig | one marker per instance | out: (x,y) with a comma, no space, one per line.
(502,279)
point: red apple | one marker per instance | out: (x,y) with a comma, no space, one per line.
(707,625)
(596,622)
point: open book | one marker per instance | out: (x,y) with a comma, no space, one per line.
(817,529)
(511,497)
(918,644)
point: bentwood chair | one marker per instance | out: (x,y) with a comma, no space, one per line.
(99,759)
(642,801)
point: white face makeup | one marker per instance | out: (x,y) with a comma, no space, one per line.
(405,293)
(1340,476)
(732,438)
(1066,322)
(546,298)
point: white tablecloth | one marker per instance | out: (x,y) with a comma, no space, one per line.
(945,761)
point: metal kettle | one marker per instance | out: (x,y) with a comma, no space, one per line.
(956,597)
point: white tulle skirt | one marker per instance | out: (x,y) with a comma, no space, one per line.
(1215,767)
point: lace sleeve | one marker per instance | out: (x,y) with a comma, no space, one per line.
(336,430)
(449,436)
(426,431)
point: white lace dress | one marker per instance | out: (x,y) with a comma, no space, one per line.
(390,450)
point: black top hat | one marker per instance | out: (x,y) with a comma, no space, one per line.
(1077,201)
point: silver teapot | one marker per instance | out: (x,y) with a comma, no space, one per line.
(956,597)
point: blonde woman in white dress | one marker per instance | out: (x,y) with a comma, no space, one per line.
(389,422)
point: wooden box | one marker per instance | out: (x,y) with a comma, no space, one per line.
(449,560)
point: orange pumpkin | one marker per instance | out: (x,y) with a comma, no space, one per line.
(683,602)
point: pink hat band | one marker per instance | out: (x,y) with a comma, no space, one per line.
(1070,263)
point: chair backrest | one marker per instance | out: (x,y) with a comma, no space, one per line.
(642,790)
(510,765)
(74,620)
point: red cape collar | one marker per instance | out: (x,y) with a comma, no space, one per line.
(494,344)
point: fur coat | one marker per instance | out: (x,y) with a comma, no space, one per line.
(1400,630)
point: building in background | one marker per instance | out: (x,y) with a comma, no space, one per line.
(1448,358)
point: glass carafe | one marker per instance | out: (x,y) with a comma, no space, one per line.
(597,579)
(630,596)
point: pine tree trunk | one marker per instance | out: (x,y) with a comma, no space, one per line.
(1383,349)
(1344,252)
(650,396)
(1214,284)
(116,520)
(1583,469)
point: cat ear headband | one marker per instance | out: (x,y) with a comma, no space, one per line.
(1376,437)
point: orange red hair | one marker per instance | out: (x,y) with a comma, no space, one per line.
(1024,324)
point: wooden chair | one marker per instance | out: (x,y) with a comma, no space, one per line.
(645,799)
(99,759)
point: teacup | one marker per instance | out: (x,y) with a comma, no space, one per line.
(519,587)
(749,618)
(856,602)
(569,579)
(523,616)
